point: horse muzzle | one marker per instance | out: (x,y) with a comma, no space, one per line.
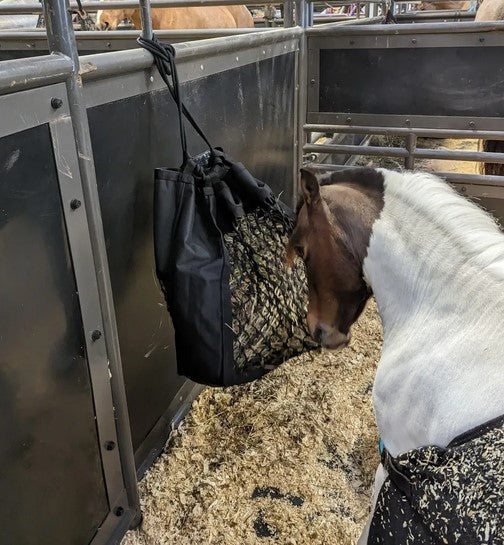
(330,337)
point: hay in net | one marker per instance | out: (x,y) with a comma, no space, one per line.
(269,301)
(287,460)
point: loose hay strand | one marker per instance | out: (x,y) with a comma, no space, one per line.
(288,459)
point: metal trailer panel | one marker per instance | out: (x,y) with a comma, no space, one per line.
(248,110)
(51,480)
(448,81)
(456,92)
(458,77)
(26,44)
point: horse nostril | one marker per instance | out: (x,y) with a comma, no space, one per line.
(317,335)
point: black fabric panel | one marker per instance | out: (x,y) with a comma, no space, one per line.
(249,111)
(462,81)
(51,482)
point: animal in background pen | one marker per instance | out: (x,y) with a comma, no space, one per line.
(179,18)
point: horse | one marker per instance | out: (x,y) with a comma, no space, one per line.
(179,18)
(434,262)
(444,5)
(491,10)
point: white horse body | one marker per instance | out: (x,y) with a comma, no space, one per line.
(435,263)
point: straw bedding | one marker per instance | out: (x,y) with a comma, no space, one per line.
(288,459)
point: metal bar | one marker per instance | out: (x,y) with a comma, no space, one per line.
(420,16)
(301,92)
(471,179)
(329,28)
(288,19)
(379,151)
(309,14)
(110,35)
(17,9)
(425,28)
(19,74)
(357,150)
(145,16)
(341,3)
(455,155)
(62,40)
(411,141)
(353,158)
(104,64)
(400,131)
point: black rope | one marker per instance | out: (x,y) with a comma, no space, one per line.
(164,57)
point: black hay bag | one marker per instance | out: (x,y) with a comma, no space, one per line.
(220,237)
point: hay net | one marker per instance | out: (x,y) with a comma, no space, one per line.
(268,300)
(220,238)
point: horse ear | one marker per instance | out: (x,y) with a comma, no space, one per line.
(309,186)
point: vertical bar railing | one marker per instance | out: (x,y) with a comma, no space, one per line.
(411,143)
(301,88)
(288,8)
(146,18)
(61,39)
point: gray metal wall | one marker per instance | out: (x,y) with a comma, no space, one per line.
(63,454)
(249,111)
(430,80)
(51,481)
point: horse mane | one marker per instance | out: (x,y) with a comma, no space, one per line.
(463,223)
(365,177)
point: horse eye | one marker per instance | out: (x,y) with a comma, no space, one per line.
(299,251)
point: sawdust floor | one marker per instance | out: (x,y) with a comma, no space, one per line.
(286,460)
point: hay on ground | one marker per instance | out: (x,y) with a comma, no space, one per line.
(288,459)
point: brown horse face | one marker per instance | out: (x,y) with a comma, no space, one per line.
(337,293)
(110,19)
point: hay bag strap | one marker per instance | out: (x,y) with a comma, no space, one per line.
(219,240)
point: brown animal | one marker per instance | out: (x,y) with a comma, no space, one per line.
(491,10)
(424,6)
(179,18)
(337,293)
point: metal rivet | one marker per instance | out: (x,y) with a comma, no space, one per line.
(56,103)
(312,81)
(472,124)
(482,40)
(109,445)
(152,79)
(74,204)
(119,511)
(463,189)
(407,122)
(348,119)
(109,44)
(413,41)
(96,335)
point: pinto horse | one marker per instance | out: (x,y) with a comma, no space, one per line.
(434,262)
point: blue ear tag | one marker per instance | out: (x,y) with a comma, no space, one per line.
(381,445)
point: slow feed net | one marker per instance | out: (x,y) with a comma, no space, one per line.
(269,301)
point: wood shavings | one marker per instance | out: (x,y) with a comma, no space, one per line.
(288,459)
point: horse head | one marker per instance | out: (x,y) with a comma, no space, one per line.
(110,19)
(333,227)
